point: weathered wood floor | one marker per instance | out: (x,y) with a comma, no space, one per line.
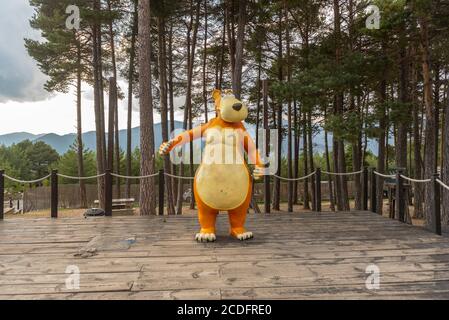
(293,256)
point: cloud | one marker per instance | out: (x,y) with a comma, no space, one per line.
(20,78)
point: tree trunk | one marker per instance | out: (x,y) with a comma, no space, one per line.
(147,165)
(237,72)
(164,108)
(191,46)
(79,133)
(289,115)
(310,155)
(338,144)
(328,168)
(306,162)
(130,102)
(229,19)
(206,117)
(99,123)
(381,153)
(189,105)
(297,139)
(402,128)
(222,55)
(418,190)
(112,108)
(277,181)
(171,96)
(430,161)
(445,167)
(116,126)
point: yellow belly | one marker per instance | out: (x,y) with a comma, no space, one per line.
(222,186)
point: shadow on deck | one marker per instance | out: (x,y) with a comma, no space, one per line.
(293,256)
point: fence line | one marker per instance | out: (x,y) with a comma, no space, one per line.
(445,186)
(342,173)
(400,197)
(415,180)
(386,176)
(134,177)
(178,177)
(400,188)
(295,179)
(81,178)
(25,181)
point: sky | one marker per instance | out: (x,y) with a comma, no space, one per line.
(24,105)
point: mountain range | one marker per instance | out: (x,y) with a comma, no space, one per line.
(62,143)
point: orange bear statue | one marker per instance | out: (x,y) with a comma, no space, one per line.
(223,181)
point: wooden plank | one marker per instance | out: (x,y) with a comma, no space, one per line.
(311,255)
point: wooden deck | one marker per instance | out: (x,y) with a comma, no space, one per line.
(293,256)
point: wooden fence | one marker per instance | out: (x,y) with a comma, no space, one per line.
(67,196)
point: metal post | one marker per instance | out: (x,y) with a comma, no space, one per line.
(267,198)
(400,200)
(108,193)
(54,193)
(2,194)
(318,190)
(365,189)
(373,197)
(436,205)
(161,192)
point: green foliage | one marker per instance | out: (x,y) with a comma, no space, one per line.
(27,160)
(64,52)
(68,164)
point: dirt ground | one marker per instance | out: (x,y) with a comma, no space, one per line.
(78,213)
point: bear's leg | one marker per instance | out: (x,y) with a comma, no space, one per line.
(237,218)
(207,217)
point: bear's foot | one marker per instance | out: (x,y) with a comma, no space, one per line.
(205,237)
(241,234)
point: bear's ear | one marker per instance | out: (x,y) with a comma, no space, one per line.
(216,94)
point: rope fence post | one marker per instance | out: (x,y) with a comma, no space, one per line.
(365,189)
(54,193)
(436,205)
(108,193)
(373,199)
(2,194)
(400,200)
(318,189)
(161,192)
(267,196)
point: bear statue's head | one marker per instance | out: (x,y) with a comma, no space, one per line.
(228,107)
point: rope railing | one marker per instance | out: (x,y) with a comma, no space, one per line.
(26,181)
(415,180)
(445,186)
(342,173)
(387,176)
(134,177)
(81,178)
(295,179)
(400,192)
(178,177)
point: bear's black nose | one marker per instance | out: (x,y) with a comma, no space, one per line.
(237,106)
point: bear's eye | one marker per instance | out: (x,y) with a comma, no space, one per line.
(237,106)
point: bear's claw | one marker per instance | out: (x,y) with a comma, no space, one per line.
(205,237)
(245,236)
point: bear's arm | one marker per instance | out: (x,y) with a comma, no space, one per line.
(250,149)
(187,136)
